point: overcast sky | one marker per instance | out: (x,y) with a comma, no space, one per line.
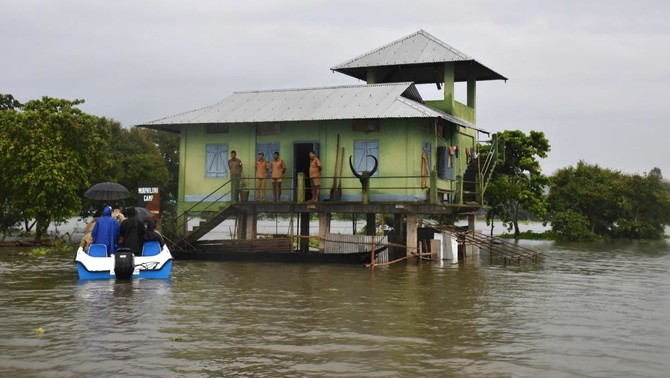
(592,75)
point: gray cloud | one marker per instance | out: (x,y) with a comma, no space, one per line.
(591,74)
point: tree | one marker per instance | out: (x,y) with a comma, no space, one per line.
(50,148)
(9,215)
(136,160)
(646,207)
(518,183)
(168,145)
(612,204)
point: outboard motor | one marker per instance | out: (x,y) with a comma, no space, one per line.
(124,263)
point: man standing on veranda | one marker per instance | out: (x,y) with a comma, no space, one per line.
(261,176)
(278,169)
(314,175)
(235,168)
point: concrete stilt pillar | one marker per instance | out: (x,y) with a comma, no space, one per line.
(471,251)
(412,235)
(471,223)
(251,226)
(324,229)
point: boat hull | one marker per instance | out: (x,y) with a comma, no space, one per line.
(102,268)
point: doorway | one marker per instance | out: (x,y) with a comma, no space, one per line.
(301,164)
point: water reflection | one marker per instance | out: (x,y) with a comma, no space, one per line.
(598,309)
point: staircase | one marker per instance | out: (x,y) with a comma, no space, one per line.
(208,225)
(211,208)
(506,251)
(479,171)
(471,178)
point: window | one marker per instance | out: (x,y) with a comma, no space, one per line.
(216,161)
(362,162)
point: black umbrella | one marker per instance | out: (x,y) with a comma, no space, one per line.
(107,191)
(143,213)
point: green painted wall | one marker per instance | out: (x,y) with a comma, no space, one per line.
(400,148)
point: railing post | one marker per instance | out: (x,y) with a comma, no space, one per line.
(479,192)
(459,189)
(234,188)
(300,195)
(432,192)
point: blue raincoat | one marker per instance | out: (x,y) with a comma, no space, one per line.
(106,230)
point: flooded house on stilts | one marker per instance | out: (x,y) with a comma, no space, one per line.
(385,151)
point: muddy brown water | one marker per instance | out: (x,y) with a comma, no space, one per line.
(592,310)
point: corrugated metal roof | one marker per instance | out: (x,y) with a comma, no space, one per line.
(376,101)
(419,47)
(421,54)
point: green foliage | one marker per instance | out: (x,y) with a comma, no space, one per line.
(518,183)
(570,225)
(168,145)
(137,160)
(39,251)
(530,235)
(589,201)
(50,149)
(8,102)
(51,152)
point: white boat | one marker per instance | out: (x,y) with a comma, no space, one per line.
(97,264)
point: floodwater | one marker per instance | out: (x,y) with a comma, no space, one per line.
(591,310)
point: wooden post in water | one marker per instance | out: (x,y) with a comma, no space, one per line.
(370,225)
(304,232)
(372,253)
(251,225)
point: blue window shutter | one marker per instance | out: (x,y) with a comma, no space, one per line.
(363,148)
(426,149)
(216,160)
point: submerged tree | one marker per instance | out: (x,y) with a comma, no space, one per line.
(50,148)
(591,202)
(518,183)
(9,215)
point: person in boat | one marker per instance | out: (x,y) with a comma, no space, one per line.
(117,213)
(153,235)
(131,234)
(261,176)
(106,230)
(315,175)
(87,239)
(278,169)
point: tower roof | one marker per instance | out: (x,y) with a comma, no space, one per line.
(418,58)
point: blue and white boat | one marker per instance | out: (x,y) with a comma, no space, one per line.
(97,264)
